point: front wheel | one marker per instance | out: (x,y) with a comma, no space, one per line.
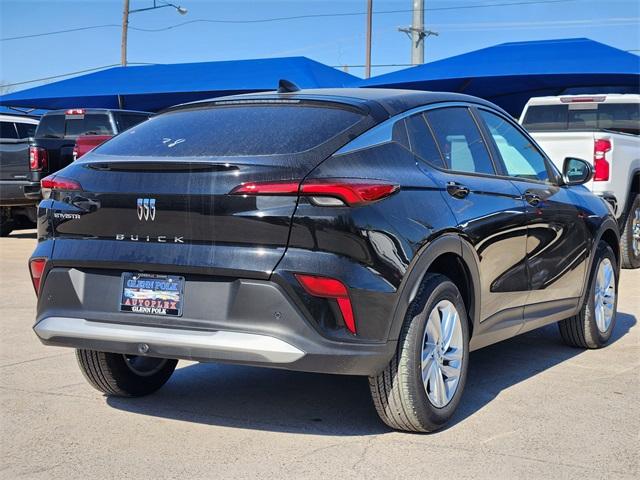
(421,387)
(593,325)
(630,237)
(124,375)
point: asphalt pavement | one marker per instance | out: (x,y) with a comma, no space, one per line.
(533,408)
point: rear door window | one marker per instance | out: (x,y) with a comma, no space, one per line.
(51,126)
(233,131)
(88,124)
(26,130)
(422,142)
(8,130)
(460,140)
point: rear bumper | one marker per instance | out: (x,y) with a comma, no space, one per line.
(16,193)
(251,322)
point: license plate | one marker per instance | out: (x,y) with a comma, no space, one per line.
(152,294)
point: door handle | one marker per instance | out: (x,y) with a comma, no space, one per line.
(532,199)
(456,190)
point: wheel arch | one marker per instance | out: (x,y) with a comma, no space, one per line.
(449,255)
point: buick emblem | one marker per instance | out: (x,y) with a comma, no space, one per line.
(146,209)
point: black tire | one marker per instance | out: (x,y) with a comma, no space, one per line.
(630,259)
(6,222)
(112,374)
(398,392)
(581,330)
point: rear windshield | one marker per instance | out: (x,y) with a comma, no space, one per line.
(620,117)
(60,125)
(127,120)
(233,131)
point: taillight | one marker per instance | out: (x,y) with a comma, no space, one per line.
(323,192)
(600,163)
(54,182)
(38,159)
(325,287)
(36,268)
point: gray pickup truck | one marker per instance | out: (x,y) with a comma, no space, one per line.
(19,191)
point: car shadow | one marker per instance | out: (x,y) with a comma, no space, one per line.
(28,234)
(303,403)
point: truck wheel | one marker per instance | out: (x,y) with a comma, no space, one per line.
(124,375)
(630,237)
(6,222)
(592,326)
(421,387)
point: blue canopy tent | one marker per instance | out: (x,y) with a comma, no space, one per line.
(510,73)
(154,87)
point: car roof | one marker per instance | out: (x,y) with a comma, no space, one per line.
(393,101)
(18,119)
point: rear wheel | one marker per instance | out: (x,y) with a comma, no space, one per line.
(421,387)
(592,326)
(630,237)
(6,222)
(124,375)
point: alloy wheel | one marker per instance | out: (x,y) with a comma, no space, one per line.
(442,353)
(604,295)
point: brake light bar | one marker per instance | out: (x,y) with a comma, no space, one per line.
(75,111)
(38,159)
(349,192)
(600,98)
(600,163)
(325,287)
(36,269)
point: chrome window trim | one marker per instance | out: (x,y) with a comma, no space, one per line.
(383,132)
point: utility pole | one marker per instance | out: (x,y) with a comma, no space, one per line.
(125,29)
(417,33)
(367,63)
(417,26)
(125,21)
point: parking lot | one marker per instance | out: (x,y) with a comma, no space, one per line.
(532,408)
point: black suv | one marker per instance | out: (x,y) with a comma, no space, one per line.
(384,233)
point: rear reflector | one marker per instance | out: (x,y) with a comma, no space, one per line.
(600,163)
(326,287)
(38,159)
(36,268)
(350,192)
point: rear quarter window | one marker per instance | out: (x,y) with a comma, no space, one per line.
(125,121)
(51,126)
(26,130)
(233,131)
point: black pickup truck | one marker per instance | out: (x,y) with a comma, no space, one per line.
(19,190)
(52,149)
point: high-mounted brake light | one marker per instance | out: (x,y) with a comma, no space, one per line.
(54,182)
(345,192)
(597,99)
(36,269)
(75,111)
(600,163)
(38,159)
(325,287)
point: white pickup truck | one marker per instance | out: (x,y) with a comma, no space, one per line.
(604,129)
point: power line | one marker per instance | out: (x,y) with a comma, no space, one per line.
(77,72)
(279,19)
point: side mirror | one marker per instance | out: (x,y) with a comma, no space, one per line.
(576,171)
